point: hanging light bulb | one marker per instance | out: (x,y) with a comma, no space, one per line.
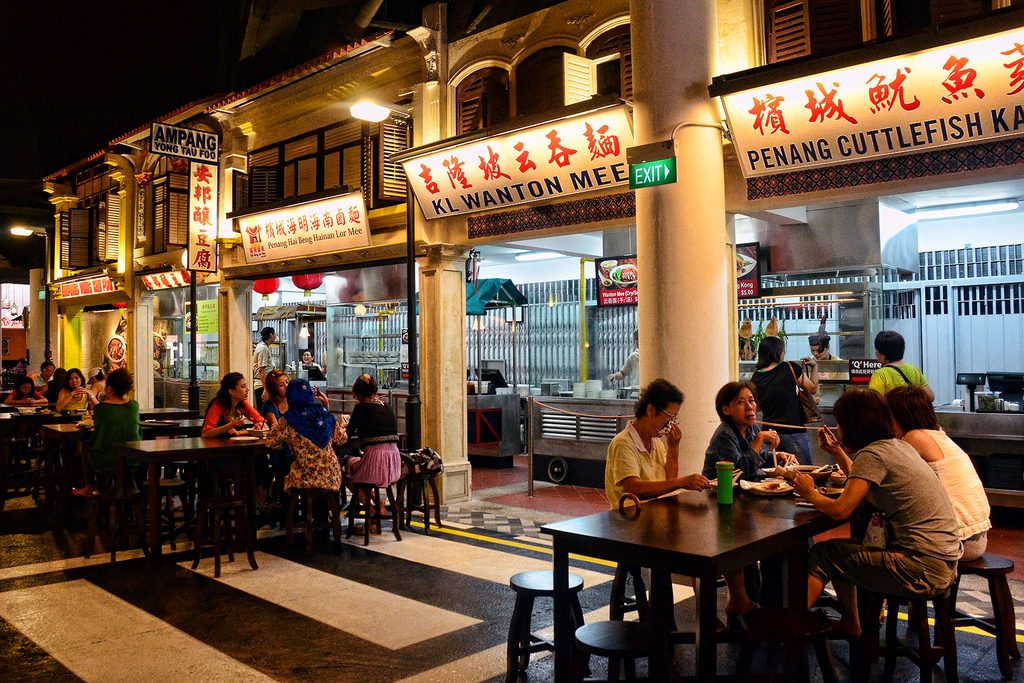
(304,332)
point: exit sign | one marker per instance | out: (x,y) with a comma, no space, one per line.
(651,173)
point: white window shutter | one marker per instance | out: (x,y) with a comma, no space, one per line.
(580,78)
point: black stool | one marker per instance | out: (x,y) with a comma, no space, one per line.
(169,488)
(521,642)
(310,497)
(628,641)
(926,654)
(1003,622)
(228,512)
(366,500)
(788,630)
(621,604)
(413,482)
(117,500)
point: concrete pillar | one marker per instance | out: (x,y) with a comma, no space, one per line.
(35,339)
(443,364)
(687,289)
(235,329)
(140,345)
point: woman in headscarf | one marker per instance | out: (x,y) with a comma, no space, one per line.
(309,431)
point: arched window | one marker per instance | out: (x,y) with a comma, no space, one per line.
(482,100)
(614,60)
(540,84)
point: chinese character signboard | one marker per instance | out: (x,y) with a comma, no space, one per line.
(958,94)
(578,154)
(174,278)
(323,226)
(86,287)
(202,217)
(861,369)
(748,270)
(617,280)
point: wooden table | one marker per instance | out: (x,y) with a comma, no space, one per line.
(688,534)
(172,428)
(167,414)
(10,424)
(194,449)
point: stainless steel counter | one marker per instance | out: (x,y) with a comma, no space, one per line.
(493,429)
(995,442)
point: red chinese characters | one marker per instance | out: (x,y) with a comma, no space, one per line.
(960,80)
(601,145)
(490,167)
(524,158)
(828,107)
(559,153)
(883,95)
(428,181)
(456,173)
(1016,67)
(767,112)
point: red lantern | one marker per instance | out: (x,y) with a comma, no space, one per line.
(308,282)
(266,287)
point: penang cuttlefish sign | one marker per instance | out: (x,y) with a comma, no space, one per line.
(958,94)
(578,154)
(318,227)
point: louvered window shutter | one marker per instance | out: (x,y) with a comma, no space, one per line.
(626,64)
(540,86)
(239,191)
(886,18)
(74,239)
(112,221)
(580,76)
(263,185)
(177,211)
(394,138)
(835,25)
(788,30)
(947,11)
(470,108)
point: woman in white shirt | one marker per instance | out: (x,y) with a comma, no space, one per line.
(916,424)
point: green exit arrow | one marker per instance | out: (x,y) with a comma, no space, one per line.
(651,173)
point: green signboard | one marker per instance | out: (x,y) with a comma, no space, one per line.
(206,317)
(651,173)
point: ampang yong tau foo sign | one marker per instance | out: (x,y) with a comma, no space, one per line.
(578,154)
(958,94)
(319,227)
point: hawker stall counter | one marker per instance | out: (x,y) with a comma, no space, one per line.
(995,442)
(493,433)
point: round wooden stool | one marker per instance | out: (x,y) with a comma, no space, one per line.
(788,630)
(521,642)
(926,655)
(628,641)
(1002,624)
(309,499)
(366,499)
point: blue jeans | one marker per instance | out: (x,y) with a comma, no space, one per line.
(798,444)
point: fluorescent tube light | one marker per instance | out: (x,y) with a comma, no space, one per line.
(539,256)
(961,210)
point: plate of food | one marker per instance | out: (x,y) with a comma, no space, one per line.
(768,487)
(830,491)
(624,275)
(819,474)
(744,264)
(245,438)
(837,478)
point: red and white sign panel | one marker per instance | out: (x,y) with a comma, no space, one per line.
(861,369)
(962,93)
(100,284)
(748,270)
(175,278)
(617,278)
(319,227)
(202,216)
(578,154)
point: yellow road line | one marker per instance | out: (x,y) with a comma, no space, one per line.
(966,629)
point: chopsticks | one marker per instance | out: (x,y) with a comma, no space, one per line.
(784,426)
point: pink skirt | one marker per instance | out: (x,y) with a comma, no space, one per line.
(381,465)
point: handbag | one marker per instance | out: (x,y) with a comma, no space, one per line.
(876,536)
(808,405)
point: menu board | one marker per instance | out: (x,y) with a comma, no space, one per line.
(617,280)
(861,369)
(748,270)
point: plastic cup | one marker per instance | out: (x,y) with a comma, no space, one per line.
(725,470)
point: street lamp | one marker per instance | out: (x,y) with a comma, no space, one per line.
(24,231)
(366,110)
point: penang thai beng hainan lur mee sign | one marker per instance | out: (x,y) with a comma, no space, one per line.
(582,153)
(961,93)
(319,227)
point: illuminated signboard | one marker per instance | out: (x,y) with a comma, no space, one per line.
(100,284)
(319,227)
(617,278)
(582,153)
(174,278)
(202,217)
(961,93)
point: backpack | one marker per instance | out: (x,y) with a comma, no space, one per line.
(425,461)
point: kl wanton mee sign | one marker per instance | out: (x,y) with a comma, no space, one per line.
(582,153)
(961,93)
(317,227)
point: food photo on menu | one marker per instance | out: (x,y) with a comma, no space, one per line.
(617,278)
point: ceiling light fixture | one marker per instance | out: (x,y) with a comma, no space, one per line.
(962,210)
(539,256)
(368,110)
(20,231)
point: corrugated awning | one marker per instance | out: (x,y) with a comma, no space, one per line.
(492,293)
